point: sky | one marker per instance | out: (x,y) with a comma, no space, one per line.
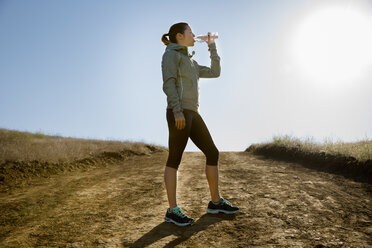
(92,69)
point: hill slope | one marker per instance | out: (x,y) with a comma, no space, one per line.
(123,205)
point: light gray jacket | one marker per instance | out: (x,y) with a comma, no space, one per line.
(181,76)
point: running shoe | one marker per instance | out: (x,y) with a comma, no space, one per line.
(222,206)
(178,217)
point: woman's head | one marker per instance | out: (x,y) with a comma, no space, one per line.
(180,33)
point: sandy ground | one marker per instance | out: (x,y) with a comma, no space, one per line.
(123,205)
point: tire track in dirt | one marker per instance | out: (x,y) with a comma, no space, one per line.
(282,205)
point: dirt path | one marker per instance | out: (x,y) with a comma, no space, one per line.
(282,205)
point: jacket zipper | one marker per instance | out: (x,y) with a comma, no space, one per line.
(179,73)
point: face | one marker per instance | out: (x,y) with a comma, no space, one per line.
(187,38)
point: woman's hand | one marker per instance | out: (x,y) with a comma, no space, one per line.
(210,39)
(180,122)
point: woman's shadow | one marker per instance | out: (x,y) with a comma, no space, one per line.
(183,233)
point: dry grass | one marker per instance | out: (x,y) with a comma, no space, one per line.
(360,150)
(26,146)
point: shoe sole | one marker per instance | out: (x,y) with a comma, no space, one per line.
(216,211)
(177,223)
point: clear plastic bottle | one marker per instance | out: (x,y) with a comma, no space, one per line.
(203,38)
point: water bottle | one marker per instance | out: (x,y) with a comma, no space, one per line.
(203,38)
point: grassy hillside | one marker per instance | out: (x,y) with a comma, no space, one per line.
(26,146)
(361,150)
(344,157)
(25,155)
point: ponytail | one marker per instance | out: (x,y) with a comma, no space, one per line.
(165,40)
(173,31)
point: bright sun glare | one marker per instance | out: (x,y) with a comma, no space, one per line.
(334,45)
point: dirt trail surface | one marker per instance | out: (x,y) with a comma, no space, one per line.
(123,205)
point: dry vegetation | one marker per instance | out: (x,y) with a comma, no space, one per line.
(361,150)
(352,159)
(24,155)
(26,146)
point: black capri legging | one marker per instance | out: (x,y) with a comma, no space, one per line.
(197,130)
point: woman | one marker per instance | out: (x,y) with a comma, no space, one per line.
(180,83)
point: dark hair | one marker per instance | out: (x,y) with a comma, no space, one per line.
(173,31)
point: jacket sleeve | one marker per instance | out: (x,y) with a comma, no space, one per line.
(215,69)
(169,67)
